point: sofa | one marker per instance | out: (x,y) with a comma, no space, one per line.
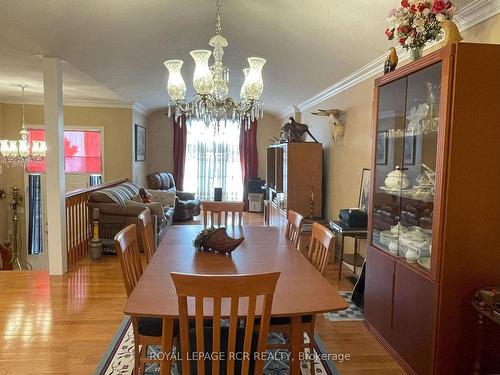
(118,208)
(186,204)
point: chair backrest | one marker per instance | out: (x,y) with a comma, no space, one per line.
(293,227)
(147,234)
(127,248)
(221,211)
(322,241)
(235,292)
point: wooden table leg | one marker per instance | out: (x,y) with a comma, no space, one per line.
(166,345)
(355,254)
(296,344)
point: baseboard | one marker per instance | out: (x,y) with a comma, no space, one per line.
(388,347)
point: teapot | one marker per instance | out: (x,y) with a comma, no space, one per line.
(412,254)
(397,179)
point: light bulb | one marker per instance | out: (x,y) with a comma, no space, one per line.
(175,86)
(23,148)
(202,78)
(4,147)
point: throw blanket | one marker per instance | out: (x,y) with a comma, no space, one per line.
(121,193)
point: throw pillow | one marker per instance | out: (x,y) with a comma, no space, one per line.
(155,207)
(166,198)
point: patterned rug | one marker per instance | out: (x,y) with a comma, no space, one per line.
(352,313)
(119,358)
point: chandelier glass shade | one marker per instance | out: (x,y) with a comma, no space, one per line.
(19,152)
(211,102)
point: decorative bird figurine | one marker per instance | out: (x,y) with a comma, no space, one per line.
(335,121)
(392,61)
(451,32)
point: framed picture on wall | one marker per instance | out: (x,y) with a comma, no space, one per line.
(382,145)
(364,190)
(140,143)
(409,154)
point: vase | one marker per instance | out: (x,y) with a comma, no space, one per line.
(416,53)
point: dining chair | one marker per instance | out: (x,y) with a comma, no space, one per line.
(242,348)
(322,242)
(221,211)
(147,331)
(293,227)
(147,234)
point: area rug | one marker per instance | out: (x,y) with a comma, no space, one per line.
(352,313)
(119,358)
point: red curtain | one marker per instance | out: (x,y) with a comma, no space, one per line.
(248,155)
(180,135)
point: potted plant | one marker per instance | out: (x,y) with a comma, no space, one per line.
(417,22)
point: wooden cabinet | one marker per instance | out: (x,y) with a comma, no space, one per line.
(434,205)
(294,180)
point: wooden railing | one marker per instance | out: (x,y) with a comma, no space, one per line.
(78,222)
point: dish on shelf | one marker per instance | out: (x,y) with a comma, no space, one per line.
(425,262)
(393,190)
(397,179)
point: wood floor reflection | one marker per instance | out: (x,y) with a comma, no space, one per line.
(63,324)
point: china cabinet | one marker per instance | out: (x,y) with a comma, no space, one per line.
(433,235)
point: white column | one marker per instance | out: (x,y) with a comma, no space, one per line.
(54,135)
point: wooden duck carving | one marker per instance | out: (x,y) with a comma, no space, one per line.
(451,32)
(335,121)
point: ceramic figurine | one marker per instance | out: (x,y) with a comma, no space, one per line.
(451,32)
(391,62)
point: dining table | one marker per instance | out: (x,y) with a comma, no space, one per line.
(301,289)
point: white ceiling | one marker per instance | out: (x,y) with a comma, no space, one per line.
(114,49)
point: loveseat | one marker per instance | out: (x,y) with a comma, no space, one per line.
(118,207)
(186,204)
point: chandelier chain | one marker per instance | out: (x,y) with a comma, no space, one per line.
(218,25)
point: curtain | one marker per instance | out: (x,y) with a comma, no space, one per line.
(180,135)
(248,155)
(213,160)
(35,244)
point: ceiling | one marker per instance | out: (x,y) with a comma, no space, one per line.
(114,49)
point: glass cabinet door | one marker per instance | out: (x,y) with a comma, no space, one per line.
(405,166)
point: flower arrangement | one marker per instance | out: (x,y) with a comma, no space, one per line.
(416,22)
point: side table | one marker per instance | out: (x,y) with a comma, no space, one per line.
(342,230)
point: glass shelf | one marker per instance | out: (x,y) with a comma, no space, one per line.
(405,164)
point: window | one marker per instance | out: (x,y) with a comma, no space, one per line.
(95,179)
(35,238)
(213,160)
(82,151)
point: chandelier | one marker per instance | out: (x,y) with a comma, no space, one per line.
(211,102)
(17,153)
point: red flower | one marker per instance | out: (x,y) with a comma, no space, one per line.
(404,3)
(389,33)
(421,7)
(413,8)
(438,6)
(402,41)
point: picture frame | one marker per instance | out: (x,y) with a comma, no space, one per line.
(364,190)
(140,143)
(409,151)
(381,148)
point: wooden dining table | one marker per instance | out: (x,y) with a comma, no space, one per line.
(301,289)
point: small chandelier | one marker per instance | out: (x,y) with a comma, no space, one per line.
(211,102)
(17,153)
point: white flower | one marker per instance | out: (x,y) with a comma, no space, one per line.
(409,40)
(440,17)
(426,12)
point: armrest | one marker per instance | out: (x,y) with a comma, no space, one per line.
(186,196)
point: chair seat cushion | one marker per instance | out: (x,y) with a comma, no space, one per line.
(207,335)
(189,204)
(286,320)
(153,326)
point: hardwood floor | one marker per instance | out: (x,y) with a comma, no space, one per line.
(63,325)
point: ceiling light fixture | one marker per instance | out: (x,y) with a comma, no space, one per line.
(211,102)
(16,153)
